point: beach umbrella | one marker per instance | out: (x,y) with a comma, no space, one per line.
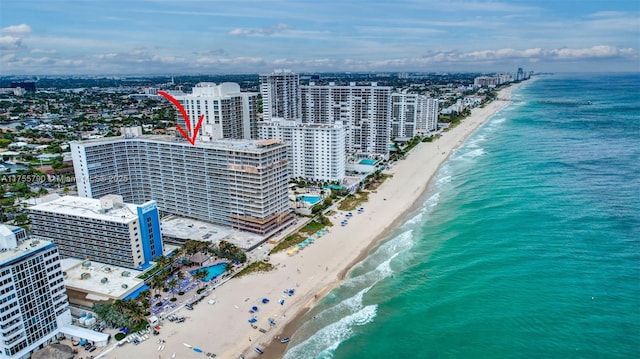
(310,240)
(300,245)
(265,300)
(281,301)
(254,308)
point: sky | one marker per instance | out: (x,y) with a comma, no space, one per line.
(159,37)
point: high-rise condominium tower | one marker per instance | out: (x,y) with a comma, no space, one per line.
(228,113)
(280,95)
(33,301)
(240,184)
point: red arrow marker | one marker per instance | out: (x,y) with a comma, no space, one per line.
(185,134)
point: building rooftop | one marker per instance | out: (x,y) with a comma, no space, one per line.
(89,208)
(100,281)
(223,144)
(186,228)
(23,248)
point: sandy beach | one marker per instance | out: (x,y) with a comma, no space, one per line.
(223,327)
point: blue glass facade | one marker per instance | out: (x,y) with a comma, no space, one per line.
(150,234)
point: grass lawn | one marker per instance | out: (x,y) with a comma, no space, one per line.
(255,267)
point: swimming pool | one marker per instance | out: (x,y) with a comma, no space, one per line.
(310,199)
(368,161)
(213,271)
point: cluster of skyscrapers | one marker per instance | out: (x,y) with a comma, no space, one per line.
(236,175)
(324,125)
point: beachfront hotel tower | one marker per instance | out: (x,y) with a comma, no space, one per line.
(33,301)
(317,150)
(364,110)
(240,184)
(280,95)
(228,113)
(106,230)
(413,114)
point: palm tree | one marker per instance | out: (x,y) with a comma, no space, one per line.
(199,275)
(144,298)
(162,262)
(156,283)
(179,276)
(135,312)
(179,253)
(172,284)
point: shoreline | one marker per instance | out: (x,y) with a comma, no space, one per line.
(222,328)
(276,350)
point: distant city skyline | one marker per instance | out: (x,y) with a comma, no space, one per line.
(156,37)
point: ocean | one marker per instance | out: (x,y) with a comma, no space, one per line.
(526,243)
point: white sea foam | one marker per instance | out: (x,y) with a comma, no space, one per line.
(382,271)
(472,154)
(443,180)
(328,339)
(475,141)
(338,319)
(415,219)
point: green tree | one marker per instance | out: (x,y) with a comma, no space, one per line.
(172,285)
(156,283)
(21,220)
(199,276)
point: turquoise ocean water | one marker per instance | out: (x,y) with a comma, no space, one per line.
(526,244)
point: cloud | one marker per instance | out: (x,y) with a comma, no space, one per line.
(471,6)
(22,29)
(270,30)
(43,51)
(213,52)
(10,42)
(148,60)
(11,36)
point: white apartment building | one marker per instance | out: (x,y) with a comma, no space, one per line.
(365,111)
(228,113)
(33,301)
(239,184)
(280,95)
(317,150)
(492,81)
(413,114)
(106,230)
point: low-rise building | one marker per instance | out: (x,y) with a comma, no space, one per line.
(106,229)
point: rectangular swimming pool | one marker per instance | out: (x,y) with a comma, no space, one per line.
(213,271)
(312,200)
